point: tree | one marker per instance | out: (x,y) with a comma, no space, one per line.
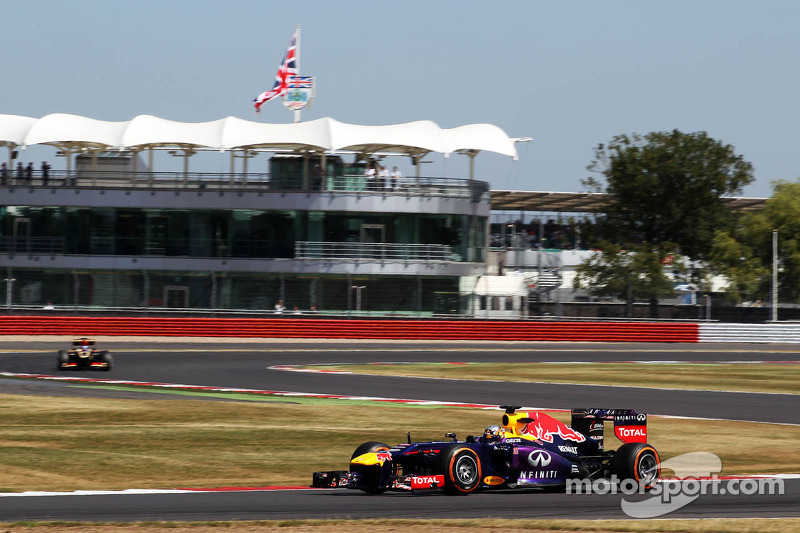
(747,276)
(668,187)
(744,253)
(630,274)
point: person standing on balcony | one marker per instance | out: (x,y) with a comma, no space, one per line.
(396,175)
(29,173)
(370,174)
(3,174)
(45,173)
(20,173)
(383,178)
(279,307)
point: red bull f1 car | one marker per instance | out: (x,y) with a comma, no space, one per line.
(84,356)
(525,450)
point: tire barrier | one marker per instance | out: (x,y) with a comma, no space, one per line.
(413,329)
(783,333)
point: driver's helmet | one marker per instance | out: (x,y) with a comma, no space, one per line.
(493,433)
(85,342)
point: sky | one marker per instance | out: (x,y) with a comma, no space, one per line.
(571,74)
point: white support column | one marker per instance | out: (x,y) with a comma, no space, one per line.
(774,275)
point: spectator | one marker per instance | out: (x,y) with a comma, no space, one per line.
(45,173)
(396,175)
(29,173)
(296,311)
(383,178)
(370,174)
(3,174)
(20,173)
(279,307)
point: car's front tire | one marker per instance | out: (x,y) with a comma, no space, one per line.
(106,358)
(462,469)
(61,359)
(370,476)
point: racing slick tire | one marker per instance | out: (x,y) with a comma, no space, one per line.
(369,447)
(370,476)
(61,358)
(106,358)
(638,461)
(462,469)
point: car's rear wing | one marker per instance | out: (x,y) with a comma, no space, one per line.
(83,341)
(629,426)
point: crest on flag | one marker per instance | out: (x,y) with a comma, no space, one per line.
(299,92)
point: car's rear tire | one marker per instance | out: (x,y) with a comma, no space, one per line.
(462,469)
(370,475)
(61,358)
(106,358)
(637,461)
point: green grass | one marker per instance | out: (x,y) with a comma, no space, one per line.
(78,443)
(64,443)
(746,377)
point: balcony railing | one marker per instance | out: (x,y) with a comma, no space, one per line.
(475,190)
(361,251)
(32,245)
(304,250)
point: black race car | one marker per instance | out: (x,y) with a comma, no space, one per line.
(524,450)
(84,356)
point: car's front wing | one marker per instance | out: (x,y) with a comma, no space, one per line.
(350,480)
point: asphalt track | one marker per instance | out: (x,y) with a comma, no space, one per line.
(247,365)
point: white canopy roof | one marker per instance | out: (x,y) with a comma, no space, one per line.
(231,133)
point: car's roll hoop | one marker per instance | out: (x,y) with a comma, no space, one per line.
(514,423)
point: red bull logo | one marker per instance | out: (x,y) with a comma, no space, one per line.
(383,456)
(543,427)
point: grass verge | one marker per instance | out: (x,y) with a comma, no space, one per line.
(65,443)
(746,377)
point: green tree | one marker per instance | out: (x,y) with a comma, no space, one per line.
(668,187)
(747,276)
(743,254)
(630,273)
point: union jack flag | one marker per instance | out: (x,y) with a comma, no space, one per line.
(300,82)
(287,67)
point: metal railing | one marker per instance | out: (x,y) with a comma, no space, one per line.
(475,190)
(34,245)
(361,251)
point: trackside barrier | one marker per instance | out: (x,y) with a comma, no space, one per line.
(787,333)
(350,329)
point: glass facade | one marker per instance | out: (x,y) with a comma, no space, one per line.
(236,233)
(228,291)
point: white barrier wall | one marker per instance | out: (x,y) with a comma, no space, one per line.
(783,333)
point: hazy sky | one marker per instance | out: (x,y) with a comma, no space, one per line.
(570,74)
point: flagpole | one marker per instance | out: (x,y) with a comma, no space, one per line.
(297,64)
